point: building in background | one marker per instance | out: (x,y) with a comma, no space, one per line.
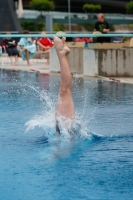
(108,6)
(8,17)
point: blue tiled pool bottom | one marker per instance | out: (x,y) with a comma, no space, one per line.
(35,164)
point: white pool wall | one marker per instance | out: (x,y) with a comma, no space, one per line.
(93,62)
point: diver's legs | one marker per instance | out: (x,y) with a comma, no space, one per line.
(65,105)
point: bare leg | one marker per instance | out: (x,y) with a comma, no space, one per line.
(27,55)
(65,105)
(41,47)
(16,59)
(11,60)
(44,48)
(48,58)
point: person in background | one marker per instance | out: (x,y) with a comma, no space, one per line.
(10,46)
(27,47)
(0,50)
(45,44)
(102,26)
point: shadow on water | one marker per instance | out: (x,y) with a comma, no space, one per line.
(41,140)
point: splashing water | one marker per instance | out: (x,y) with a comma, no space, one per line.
(46,120)
(68,141)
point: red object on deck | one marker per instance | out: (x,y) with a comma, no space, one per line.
(86,40)
(46,42)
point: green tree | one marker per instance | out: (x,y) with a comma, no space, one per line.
(98,7)
(33,26)
(40,26)
(58,27)
(91,8)
(129,7)
(42,5)
(88,8)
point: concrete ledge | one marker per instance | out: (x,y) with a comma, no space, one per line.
(90,68)
(101,62)
(90,62)
(116,45)
(37,65)
(75,58)
(54,61)
(75,44)
(128,42)
(117,63)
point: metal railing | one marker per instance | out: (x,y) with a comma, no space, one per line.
(67,35)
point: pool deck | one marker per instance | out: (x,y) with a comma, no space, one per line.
(39,66)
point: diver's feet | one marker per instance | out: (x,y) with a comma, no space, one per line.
(60,46)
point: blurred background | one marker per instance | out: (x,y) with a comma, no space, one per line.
(71,16)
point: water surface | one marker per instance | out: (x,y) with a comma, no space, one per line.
(35,164)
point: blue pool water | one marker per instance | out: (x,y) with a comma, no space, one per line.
(35,164)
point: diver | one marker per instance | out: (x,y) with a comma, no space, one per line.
(65,111)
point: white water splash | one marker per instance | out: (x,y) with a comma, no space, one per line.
(46,119)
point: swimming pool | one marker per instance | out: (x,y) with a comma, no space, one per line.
(35,164)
